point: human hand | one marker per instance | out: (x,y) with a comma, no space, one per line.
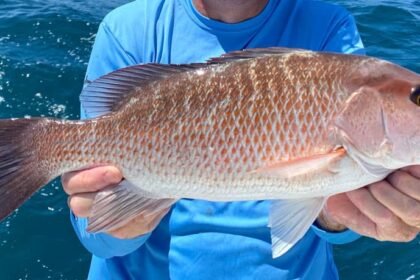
(82,187)
(388,210)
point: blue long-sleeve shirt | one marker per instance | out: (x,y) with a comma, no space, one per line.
(202,239)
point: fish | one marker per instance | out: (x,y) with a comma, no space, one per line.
(286,125)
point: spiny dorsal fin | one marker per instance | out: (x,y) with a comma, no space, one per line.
(253,53)
(107,93)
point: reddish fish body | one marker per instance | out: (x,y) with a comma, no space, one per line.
(259,124)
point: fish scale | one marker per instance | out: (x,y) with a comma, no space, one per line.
(259,144)
(188,143)
(290,126)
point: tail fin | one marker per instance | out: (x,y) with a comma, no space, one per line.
(20,175)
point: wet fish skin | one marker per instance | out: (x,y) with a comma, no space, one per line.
(214,131)
(271,124)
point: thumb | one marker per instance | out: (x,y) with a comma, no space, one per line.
(90,180)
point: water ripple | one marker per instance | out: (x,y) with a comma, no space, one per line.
(44,50)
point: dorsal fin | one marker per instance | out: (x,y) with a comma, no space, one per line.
(253,53)
(107,93)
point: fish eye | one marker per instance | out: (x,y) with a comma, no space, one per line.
(415,95)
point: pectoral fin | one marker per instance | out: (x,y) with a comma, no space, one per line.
(290,220)
(114,207)
(296,167)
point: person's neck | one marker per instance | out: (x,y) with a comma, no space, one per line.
(230,11)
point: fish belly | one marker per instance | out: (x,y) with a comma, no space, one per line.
(344,175)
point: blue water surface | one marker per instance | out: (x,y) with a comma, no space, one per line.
(44,49)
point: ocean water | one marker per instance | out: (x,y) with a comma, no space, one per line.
(44,49)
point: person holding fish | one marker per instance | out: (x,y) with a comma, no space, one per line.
(196,239)
(249,166)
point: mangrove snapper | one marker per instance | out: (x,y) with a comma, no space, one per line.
(291,126)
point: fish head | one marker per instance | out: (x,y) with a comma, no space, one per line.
(401,122)
(380,125)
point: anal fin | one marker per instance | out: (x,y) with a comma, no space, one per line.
(290,220)
(114,207)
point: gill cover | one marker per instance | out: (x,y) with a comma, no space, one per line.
(362,130)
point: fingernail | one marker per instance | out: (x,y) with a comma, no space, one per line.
(112,175)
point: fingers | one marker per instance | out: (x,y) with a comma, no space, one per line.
(405,207)
(406,182)
(413,170)
(368,205)
(388,226)
(139,225)
(81,204)
(90,180)
(387,210)
(343,211)
(82,186)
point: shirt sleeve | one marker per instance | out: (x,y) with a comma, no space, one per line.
(107,55)
(344,38)
(336,238)
(104,245)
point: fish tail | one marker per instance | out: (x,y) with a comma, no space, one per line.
(21,172)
